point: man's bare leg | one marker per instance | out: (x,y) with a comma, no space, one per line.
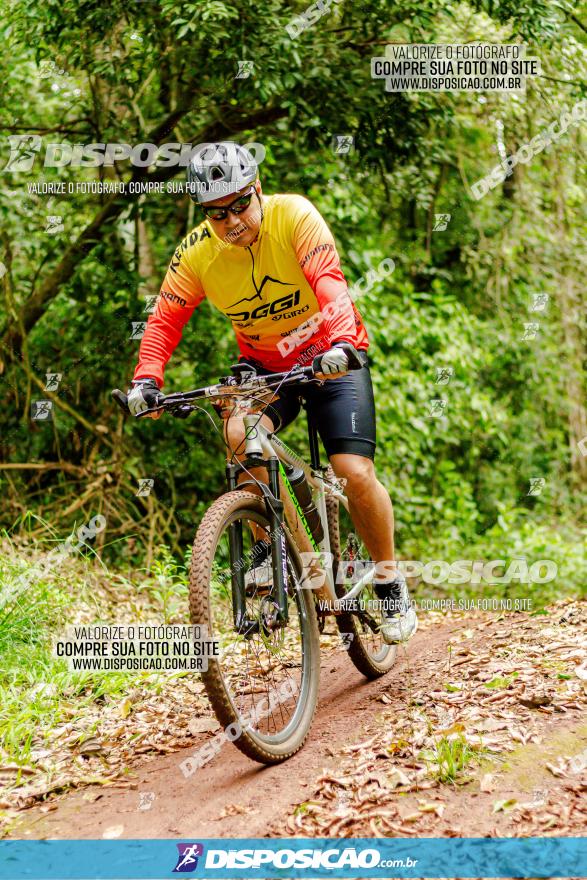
(372,515)
(370,508)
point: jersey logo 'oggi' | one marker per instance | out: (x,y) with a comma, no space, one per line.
(278,305)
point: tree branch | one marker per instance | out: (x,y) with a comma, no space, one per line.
(37,304)
(578,22)
(44,466)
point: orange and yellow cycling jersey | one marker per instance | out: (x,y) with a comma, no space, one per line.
(268,289)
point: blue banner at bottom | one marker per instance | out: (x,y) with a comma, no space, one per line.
(305,858)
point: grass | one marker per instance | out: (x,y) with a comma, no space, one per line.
(450,757)
(38,691)
(516,534)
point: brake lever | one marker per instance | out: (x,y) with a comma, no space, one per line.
(182,412)
(122,401)
(146,412)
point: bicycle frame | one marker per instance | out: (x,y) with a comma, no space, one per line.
(264,447)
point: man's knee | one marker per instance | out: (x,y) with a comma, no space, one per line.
(357,471)
(234,432)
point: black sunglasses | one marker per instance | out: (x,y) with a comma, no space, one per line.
(215,212)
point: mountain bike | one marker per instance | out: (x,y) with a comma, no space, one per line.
(264,684)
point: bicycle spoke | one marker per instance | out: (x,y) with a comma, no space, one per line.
(366,648)
(257,666)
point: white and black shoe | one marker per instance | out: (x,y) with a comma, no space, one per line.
(259,575)
(399,619)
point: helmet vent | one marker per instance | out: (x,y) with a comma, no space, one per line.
(220,169)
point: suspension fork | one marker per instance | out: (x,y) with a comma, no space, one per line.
(237,575)
(274,508)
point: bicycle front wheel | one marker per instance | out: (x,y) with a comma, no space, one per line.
(263,687)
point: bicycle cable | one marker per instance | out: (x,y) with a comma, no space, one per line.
(261,414)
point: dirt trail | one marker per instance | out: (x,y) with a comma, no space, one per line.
(346,775)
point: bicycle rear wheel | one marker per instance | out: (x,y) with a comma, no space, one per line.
(366,648)
(264,686)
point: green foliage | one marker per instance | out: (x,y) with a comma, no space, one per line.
(451,756)
(36,687)
(457,299)
(167,587)
(84,72)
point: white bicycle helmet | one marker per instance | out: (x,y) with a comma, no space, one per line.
(218,170)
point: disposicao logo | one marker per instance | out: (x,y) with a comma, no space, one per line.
(187,860)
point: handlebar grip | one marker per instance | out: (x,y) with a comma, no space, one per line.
(121,399)
(355,362)
(353,357)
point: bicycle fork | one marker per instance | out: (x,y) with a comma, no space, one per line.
(274,506)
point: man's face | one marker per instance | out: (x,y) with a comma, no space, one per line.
(239,229)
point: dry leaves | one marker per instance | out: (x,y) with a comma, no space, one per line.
(206,724)
(487,783)
(232,810)
(397,778)
(507,684)
(123,733)
(113,832)
(535,673)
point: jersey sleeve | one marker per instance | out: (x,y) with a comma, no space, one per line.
(181,292)
(317,255)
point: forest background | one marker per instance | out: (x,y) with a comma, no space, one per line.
(500,472)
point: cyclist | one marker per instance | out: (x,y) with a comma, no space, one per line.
(270,264)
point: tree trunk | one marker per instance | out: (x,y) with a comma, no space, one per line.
(39,302)
(569,297)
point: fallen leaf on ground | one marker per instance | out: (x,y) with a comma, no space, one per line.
(112,832)
(454,728)
(487,783)
(362,745)
(125,708)
(500,806)
(92,796)
(397,778)
(92,747)
(202,725)
(535,700)
(501,681)
(432,808)
(397,746)
(232,810)
(556,771)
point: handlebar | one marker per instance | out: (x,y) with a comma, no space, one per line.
(228,386)
(244,380)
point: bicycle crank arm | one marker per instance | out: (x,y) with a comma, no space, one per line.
(370,621)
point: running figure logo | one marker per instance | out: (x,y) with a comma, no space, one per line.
(187,860)
(343,144)
(23,151)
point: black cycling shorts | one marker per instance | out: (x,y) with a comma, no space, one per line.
(342,410)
